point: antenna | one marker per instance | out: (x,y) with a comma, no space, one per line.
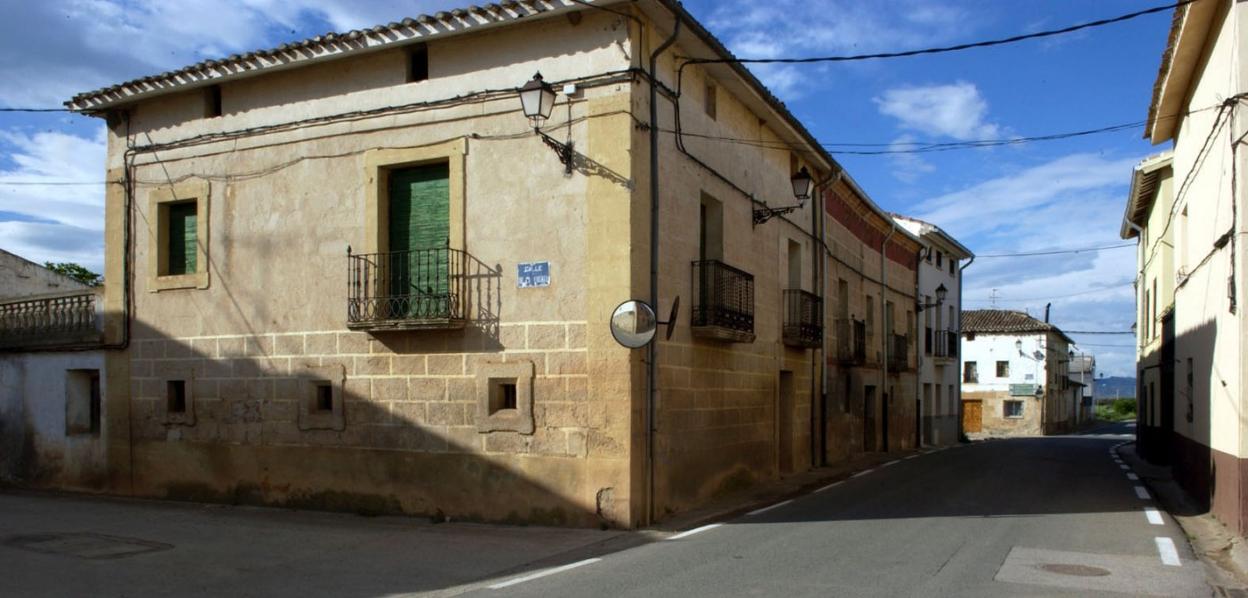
(993,296)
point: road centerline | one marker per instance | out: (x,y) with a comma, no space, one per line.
(543,573)
(1154,516)
(696,530)
(1141,492)
(1169,554)
(765,509)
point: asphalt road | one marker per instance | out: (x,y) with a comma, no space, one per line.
(1027,517)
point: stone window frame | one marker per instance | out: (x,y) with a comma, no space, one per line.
(311,418)
(1005,409)
(519,419)
(172,418)
(377,166)
(200,192)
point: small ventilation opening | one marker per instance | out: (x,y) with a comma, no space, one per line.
(175,393)
(418,63)
(502,395)
(212,101)
(324,396)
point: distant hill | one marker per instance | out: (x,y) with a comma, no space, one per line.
(1111,386)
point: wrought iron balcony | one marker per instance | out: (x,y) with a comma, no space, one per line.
(898,352)
(406,290)
(723,306)
(946,344)
(803,326)
(64,319)
(851,341)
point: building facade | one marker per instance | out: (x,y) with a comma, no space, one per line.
(940,307)
(1083,374)
(1015,376)
(1185,209)
(363,281)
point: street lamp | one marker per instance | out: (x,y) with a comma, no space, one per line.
(803,188)
(537,100)
(941,293)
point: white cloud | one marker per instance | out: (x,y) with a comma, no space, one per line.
(956,110)
(908,167)
(53,222)
(1074,201)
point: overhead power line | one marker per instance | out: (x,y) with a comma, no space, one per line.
(35,110)
(1098,332)
(1055,251)
(946,49)
(1079,294)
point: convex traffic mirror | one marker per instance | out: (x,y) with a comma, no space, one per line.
(633,323)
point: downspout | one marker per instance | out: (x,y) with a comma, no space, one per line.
(651,352)
(961,275)
(918,351)
(818,395)
(884,316)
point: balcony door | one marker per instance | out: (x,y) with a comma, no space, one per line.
(419,236)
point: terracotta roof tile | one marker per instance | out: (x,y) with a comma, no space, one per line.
(1003,320)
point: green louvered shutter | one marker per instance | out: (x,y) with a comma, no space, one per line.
(420,229)
(183,237)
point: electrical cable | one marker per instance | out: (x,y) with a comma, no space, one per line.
(1056,251)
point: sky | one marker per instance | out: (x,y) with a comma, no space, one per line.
(1063,194)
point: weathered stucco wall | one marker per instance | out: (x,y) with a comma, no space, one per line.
(20,277)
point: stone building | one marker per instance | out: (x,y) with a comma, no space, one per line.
(363,280)
(1015,376)
(1185,208)
(940,307)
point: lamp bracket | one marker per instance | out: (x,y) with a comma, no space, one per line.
(762,215)
(563,150)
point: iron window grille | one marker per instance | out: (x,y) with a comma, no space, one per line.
(898,352)
(422,288)
(725,297)
(802,324)
(851,341)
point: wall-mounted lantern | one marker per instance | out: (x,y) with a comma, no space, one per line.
(803,188)
(537,100)
(941,293)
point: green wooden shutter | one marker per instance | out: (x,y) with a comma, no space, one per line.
(420,229)
(183,238)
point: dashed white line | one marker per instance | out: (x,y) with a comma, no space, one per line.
(696,530)
(914,456)
(1154,516)
(1141,492)
(765,509)
(1169,554)
(1133,477)
(829,486)
(1125,467)
(893,462)
(862,473)
(544,573)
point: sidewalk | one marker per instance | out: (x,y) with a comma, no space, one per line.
(1224,555)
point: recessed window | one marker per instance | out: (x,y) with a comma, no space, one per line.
(953,264)
(969,372)
(180,221)
(82,402)
(503,395)
(710,101)
(418,63)
(324,396)
(1003,369)
(212,101)
(1014,409)
(939,259)
(175,396)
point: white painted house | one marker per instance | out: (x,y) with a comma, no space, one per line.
(1015,376)
(940,303)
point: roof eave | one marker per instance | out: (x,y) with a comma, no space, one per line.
(1189,30)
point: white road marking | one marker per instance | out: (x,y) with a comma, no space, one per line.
(893,462)
(914,456)
(541,574)
(1169,554)
(1141,492)
(1125,467)
(696,530)
(1133,477)
(829,486)
(862,473)
(1154,516)
(765,509)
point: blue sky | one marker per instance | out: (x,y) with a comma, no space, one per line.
(1058,194)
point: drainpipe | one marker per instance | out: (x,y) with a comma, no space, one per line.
(884,316)
(918,351)
(651,352)
(961,276)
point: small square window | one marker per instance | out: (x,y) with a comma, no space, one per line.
(175,396)
(502,395)
(1003,369)
(212,101)
(324,395)
(82,402)
(1014,409)
(418,63)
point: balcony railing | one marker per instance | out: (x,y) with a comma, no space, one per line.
(49,321)
(802,324)
(851,341)
(406,290)
(946,344)
(723,306)
(898,352)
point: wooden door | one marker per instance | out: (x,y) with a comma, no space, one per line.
(972,416)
